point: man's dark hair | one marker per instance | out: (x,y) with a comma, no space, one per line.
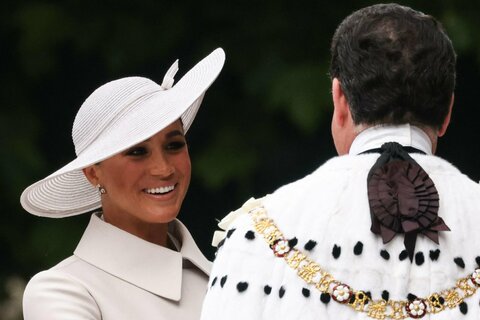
(395,65)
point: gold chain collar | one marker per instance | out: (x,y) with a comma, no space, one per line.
(312,273)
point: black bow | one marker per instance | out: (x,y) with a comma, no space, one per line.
(402,197)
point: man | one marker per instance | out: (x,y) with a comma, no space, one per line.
(385,231)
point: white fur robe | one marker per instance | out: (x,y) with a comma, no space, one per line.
(328,213)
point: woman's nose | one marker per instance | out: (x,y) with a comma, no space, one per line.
(160,165)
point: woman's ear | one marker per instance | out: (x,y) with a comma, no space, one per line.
(91,174)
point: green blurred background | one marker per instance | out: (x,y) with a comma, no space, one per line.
(265,122)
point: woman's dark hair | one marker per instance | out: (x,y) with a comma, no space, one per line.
(395,65)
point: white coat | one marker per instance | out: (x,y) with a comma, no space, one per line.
(116,275)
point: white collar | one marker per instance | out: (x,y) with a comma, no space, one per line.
(146,265)
(405,134)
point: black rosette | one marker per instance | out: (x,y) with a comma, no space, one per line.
(402,198)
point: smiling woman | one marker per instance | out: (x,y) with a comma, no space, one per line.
(146,184)
(132,171)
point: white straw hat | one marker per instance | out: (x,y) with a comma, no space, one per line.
(116,116)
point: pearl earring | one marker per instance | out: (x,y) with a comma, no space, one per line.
(101,189)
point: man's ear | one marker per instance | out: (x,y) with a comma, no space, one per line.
(343,127)
(91,174)
(446,121)
(341,109)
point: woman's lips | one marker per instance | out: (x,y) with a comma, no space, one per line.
(159,190)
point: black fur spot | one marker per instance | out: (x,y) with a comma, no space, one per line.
(306,292)
(242,286)
(403,255)
(385,295)
(310,245)
(357,250)
(459,262)
(352,299)
(325,298)
(292,242)
(281,292)
(230,232)
(267,289)
(213,282)
(385,255)
(463,307)
(250,235)
(336,251)
(220,244)
(223,280)
(411,297)
(419,258)
(434,254)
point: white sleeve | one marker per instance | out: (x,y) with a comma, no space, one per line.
(233,293)
(55,295)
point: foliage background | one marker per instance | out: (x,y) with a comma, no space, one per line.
(265,122)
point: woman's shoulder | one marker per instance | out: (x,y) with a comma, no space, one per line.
(71,269)
(57,293)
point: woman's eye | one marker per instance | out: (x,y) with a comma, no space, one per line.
(176,145)
(138,151)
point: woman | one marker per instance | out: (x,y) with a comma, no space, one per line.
(135,260)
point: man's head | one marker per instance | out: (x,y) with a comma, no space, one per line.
(392,65)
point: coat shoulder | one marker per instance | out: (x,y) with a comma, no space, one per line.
(57,294)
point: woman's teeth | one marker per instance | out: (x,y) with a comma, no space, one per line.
(160,190)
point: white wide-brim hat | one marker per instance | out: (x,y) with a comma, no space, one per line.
(116,116)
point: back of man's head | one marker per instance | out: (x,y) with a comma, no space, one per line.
(395,65)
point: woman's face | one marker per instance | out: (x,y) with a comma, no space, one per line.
(147,183)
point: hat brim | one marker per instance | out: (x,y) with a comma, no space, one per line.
(67,192)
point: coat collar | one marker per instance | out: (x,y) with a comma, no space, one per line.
(405,134)
(146,265)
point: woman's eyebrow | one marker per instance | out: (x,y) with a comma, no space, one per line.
(174,133)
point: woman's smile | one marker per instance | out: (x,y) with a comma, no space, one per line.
(159,190)
(163,193)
